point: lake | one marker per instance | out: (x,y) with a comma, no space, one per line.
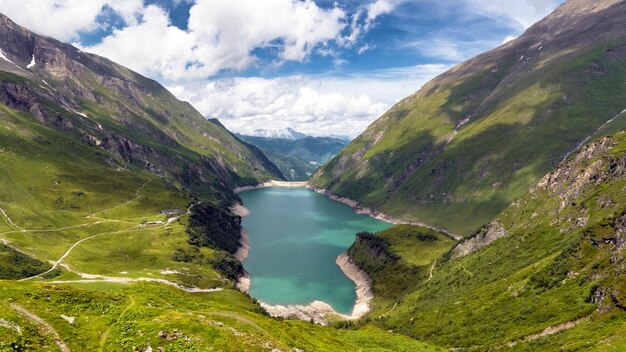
(295,238)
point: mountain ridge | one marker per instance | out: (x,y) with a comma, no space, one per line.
(473,139)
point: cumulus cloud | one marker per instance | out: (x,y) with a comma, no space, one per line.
(64,19)
(223,35)
(317,106)
(245,104)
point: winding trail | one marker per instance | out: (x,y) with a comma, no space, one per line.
(137,196)
(430,275)
(106,334)
(390,310)
(548,331)
(11,221)
(591,135)
(54,266)
(44,326)
(91,278)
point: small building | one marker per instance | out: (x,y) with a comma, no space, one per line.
(152,223)
(170,211)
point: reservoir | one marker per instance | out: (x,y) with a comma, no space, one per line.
(295,238)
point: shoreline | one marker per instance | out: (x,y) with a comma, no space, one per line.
(271,183)
(373,213)
(356,206)
(243,282)
(320,311)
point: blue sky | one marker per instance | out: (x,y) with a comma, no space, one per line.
(322,67)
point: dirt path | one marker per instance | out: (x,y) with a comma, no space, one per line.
(11,221)
(390,310)
(239,318)
(44,326)
(548,331)
(430,275)
(54,266)
(128,280)
(131,229)
(105,335)
(137,196)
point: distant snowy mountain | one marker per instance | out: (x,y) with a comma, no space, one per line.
(285,133)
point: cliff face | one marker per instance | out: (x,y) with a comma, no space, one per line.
(474,139)
(133,118)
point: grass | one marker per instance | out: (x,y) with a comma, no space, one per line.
(117,318)
(544,272)
(397,260)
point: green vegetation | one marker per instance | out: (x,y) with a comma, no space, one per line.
(397,260)
(84,179)
(555,265)
(211,227)
(15,265)
(117,317)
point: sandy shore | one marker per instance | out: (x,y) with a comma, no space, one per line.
(358,209)
(243,282)
(272,183)
(363,284)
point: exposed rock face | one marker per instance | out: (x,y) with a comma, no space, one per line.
(494,231)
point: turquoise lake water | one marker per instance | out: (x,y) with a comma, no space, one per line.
(295,238)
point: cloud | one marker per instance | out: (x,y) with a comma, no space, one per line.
(522,14)
(64,19)
(222,35)
(376,9)
(318,106)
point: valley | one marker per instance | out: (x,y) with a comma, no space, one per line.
(484,212)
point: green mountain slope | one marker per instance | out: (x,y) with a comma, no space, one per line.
(551,264)
(129,117)
(474,139)
(304,156)
(90,154)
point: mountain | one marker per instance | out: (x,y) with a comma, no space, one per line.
(474,139)
(545,274)
(115,215)
(298,158)
(285,133)
(123,117)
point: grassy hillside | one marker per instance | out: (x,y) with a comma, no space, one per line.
(397,260)
(112,317)
(557,263)
(476,138)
